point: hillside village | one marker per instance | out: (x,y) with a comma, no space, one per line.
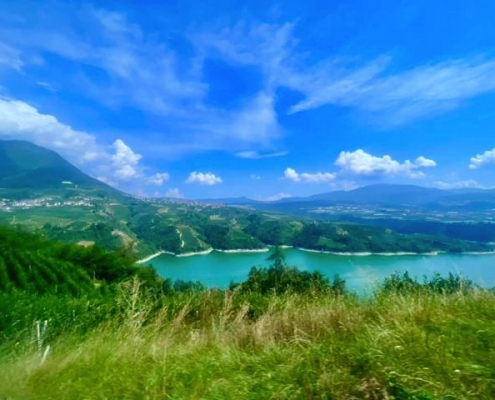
(10,205)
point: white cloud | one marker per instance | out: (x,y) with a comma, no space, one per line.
(488,157)
(317,177)
(292,175)
(203,178)
(126,166)
(361,163)
(158,179)
(467,184)
(125,161)
(255,177)
(19,120)
(424,162)
(174,193)
(369,86)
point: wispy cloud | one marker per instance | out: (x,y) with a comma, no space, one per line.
(132,67)
(368,86)
(401,97)
(10,57)
(268,46)
(139,70)
(255,155)
(144,71)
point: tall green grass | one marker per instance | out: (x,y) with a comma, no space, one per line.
(206,344)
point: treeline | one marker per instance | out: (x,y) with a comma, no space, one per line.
(475,231)
(342,237)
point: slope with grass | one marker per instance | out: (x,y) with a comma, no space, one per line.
(409,341)
(32,264)
(282,333)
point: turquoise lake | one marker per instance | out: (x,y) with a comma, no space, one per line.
(361,273)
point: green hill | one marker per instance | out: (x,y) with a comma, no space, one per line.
(24,165)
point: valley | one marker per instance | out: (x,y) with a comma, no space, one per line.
(80,209)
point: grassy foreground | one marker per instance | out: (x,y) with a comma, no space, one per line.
(209,345)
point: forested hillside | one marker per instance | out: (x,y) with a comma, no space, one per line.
(30,263)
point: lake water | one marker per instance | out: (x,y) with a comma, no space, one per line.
(360,272)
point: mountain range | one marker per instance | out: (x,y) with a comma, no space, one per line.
(379,194)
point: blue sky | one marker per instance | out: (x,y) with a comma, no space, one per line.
(189,99)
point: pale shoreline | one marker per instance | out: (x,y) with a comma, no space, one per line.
(194,253)
(149,258)
(243,250)
(335,253)
(369,253)
(200,253)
